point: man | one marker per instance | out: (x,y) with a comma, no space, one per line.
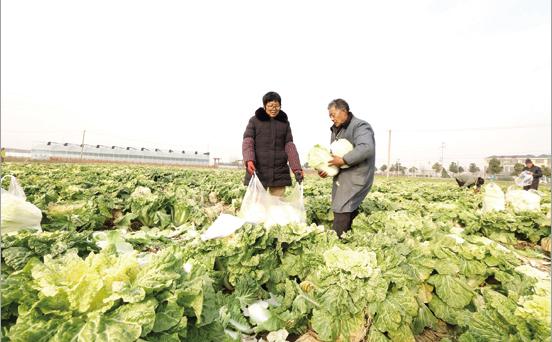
(467,180)
(535,171)
(352,184)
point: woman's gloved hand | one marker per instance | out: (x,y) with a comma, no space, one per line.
(299,175)
(250,167)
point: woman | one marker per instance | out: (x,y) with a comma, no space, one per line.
(268,147)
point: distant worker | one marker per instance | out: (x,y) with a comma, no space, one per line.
(268,147)
(535,171)
(467,180)
(3,154)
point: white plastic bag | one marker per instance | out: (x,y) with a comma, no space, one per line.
(290,209)
(16,213)
(493,198)
(255,202)
(223,226)
(522,200)
(258,206)
(525,178)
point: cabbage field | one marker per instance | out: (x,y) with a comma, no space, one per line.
(120,258)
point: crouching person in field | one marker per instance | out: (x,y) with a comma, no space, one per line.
(467,180)
(268,147)
(351,184)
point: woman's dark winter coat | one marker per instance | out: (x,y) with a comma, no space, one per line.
(270,136)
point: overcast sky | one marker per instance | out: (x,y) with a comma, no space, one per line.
(473,74)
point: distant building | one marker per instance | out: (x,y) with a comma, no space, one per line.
(54,151)
(18,153)
(508,162)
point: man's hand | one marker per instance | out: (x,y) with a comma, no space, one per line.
(336,161)
(322,174)
(250,167)
(299,175)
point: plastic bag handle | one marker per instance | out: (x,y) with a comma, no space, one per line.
(14,187)
(2,179)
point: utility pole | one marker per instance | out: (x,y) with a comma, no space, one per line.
(442,152)
(82,145)
(389,154)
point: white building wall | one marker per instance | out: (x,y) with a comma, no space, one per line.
(109,154)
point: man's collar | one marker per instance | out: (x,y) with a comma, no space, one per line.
(345,124)
(348,121)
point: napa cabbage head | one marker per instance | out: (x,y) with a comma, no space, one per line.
(341,147)
(112,239)
(282,214)
(318,158)
(141,192)
(361,263)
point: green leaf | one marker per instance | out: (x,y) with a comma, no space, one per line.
(488,326)
(448,313)
(375,336)
(162,337)
(17,290)
(425,318)
(330,327)
(17,257)
(69,330)
(402,334)
(398,308)
(452,290)
(210,332)
(447,268)
(467,337)
(34,326)
(168,315)
(160,273)
(127,323)
(471,268)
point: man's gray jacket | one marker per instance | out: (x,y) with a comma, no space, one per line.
(351,185)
